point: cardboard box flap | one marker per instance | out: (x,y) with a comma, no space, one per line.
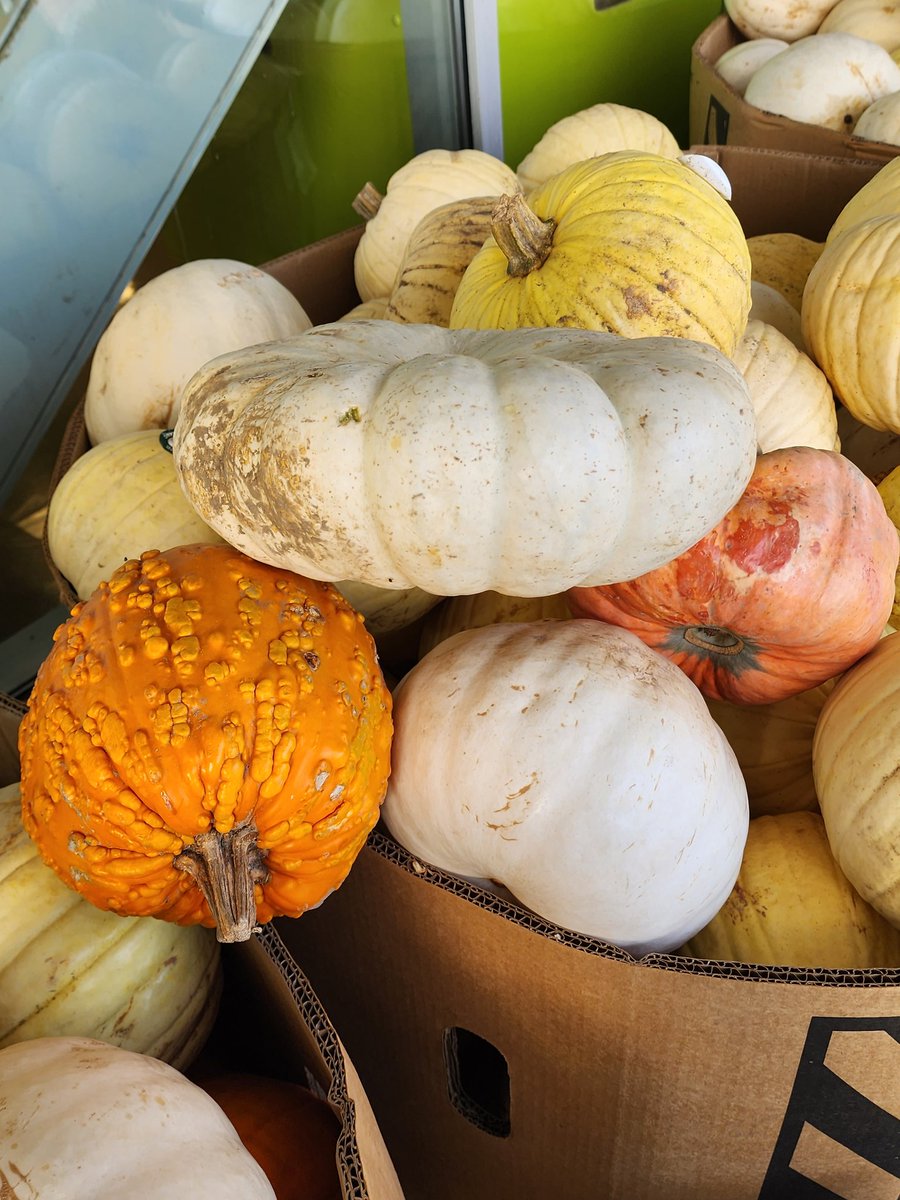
(719,115)
(11,713)
(321,276)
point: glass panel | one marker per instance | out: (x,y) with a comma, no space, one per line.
(105,106)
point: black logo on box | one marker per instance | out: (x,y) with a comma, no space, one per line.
(841,1131)
(717,118)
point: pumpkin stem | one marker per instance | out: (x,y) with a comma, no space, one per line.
(714,640)
(523,236)
(225,867)
(367,202)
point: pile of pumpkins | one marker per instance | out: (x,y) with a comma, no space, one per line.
(833,63)
(645,589)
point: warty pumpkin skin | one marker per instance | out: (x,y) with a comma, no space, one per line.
(574,766)
(208,741)
(856,767)
(628,242)
(789,589)
(461,461)
(68,968)
(83,1120)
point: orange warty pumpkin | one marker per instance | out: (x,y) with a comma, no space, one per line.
(789,589)
(208,741)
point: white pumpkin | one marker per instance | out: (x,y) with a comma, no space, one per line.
(739,63)
(792,399)
(615,807)
(462,461)
(828,79)
(169,328)
(69,968)
(775,18)
(881,121)
(83,1120)
(876,20)
(428,180)
(598,129)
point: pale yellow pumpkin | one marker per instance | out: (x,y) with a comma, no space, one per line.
(367,310)
(585,252)
(856,767)
(880,197)
(68,968)
(876,20)
(881,121)
(439,249)
(792,399)
(769,306)
(595,130)
(426,181)
(793,906)
(851,319)
(773,745)
(889,489)
(783,261)
(487,608)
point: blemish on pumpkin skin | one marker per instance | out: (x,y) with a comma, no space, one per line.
(760,546)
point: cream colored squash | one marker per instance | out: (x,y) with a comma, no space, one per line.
(739,63)
(775,18)
(876,20)
(616,808)
(169,328)
(773,744)
(793,906)
(462,461)
(438,251)
(856,767)
(120,498)
(783,261)
(880,197)
(771,307)
(457,613)
(827,79)
(881,121)
(83,1120)
(367,310)
(584,251)
(595,130)
(427,181)
(851,319)
(69,968)
(792,399)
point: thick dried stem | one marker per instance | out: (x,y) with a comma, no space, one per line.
(225,866)
(367,202)
(524,237)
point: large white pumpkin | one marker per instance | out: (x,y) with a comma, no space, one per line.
(776,18)
(169,328)
(461,461)
(83,1120)
(578,768)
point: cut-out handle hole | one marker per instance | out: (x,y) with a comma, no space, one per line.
(477,1080)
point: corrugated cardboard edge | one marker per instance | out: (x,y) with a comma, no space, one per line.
(364,1165)
(719,115)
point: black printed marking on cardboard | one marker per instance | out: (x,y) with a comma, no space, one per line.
(824,1100)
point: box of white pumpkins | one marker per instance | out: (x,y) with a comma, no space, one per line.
(177,1012)
(798,77)
(628,925)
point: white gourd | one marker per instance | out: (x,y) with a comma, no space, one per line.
(827,79)
(615,806)
(83,1120)
(169,328)
(462,461)
(776,18)
(739,64)
(881,121)
(772,308)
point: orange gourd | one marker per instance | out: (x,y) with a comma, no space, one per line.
(789,589)
(290,1131)
(208,741)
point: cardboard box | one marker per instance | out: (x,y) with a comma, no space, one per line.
(720,116)
(506,1057)
(272,1023)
